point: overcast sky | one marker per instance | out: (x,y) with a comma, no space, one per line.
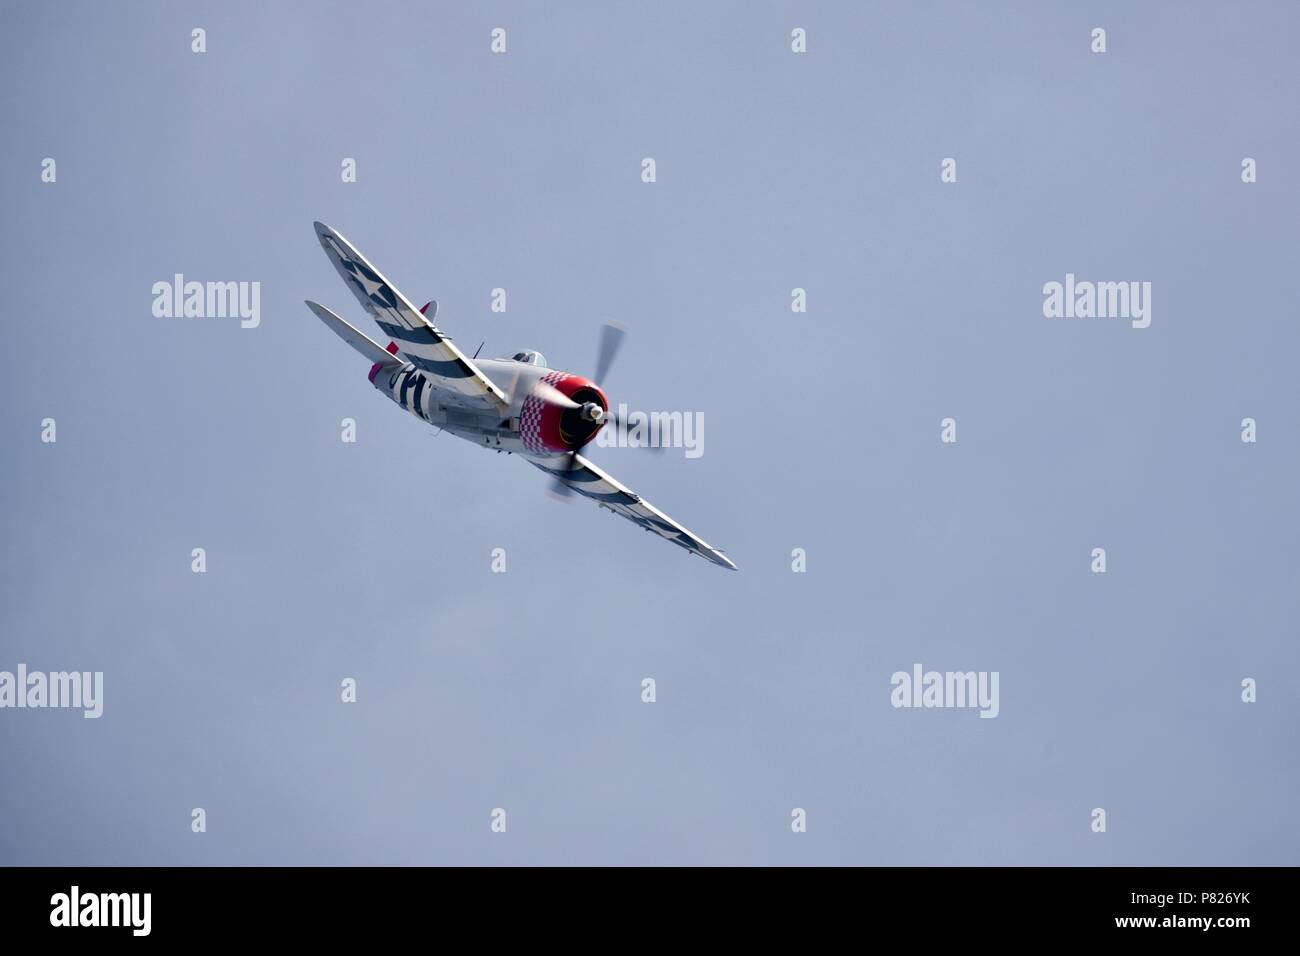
(523,690)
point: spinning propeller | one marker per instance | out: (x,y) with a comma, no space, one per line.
(611,340)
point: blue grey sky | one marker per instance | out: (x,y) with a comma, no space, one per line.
(522,690)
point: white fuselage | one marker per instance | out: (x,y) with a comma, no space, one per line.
(415,392)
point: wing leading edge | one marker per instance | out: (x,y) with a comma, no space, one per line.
(422,344)
(589,481)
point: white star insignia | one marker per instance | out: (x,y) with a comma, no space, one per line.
(366,284)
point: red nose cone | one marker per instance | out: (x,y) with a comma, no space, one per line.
(549,428)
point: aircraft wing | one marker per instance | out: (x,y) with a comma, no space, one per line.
(588,480)
(417,339)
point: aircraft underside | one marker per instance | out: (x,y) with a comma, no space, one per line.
(514,405)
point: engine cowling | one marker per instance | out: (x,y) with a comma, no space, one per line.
(547,427)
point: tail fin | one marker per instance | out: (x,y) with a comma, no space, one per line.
(374,369)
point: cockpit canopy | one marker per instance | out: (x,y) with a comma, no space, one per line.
(530,358)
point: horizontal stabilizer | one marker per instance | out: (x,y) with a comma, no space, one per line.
(367,346)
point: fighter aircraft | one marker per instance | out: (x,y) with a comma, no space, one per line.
(517,405)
